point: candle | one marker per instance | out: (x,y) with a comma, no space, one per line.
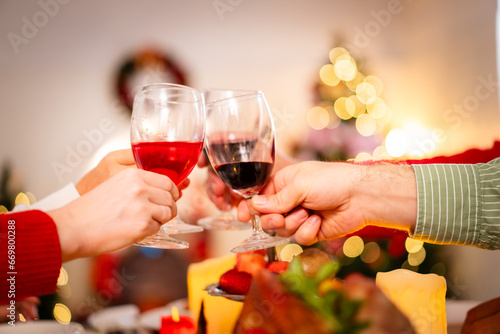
(221,313)
(177,324)
(420,297)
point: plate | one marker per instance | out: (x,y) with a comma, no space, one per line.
(215,290)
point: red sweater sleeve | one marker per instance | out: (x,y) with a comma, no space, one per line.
(30,255)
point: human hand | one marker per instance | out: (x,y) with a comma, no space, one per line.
(484,318)
(122,210)
(113,163)
(323,200)
(27,307)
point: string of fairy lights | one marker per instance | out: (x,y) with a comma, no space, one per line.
(347,94)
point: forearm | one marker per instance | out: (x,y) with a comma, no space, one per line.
(387,196)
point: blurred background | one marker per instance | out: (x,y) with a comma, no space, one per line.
(345,80)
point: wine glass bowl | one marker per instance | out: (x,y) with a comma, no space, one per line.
(240,143)
(225,219)
(167,133)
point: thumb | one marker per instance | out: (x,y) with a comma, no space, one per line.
(282,202)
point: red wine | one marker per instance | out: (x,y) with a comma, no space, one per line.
(247,177)
(173,159)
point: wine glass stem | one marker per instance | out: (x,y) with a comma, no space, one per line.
(256,225)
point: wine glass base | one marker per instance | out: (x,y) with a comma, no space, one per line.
(222,223)
(163,242)
(177,226)
(259,240)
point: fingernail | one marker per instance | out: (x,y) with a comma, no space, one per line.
(260,200)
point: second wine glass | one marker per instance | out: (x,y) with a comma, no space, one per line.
(240,142)
(225,219)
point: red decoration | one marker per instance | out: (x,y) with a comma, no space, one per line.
(185,325)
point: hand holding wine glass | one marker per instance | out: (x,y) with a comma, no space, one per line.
(167,132)
(240,143)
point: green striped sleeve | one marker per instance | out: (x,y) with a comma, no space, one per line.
(459,204)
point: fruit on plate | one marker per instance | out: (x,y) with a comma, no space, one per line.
(278,267)
(312,259)
(300,302)
(251,262)
(235,282)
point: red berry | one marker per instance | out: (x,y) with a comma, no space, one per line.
(235,282)
(278,267)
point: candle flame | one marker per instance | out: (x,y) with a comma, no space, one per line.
(175,314)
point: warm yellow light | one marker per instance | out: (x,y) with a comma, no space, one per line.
(415,259)
(345,68)
(318,118)
(395,143)
(22,198)
(341,108)
(371,252)
(354,106)
(21,317)
(366,92)
(3,210)
(175,314)
(366,125)
(334,120)
(420,139)
(352,84)
(328,76)
(363,156)
(377,108)
(337,52)
(62,314)
(376,82)
(413,245)
(353,246)
(63,277)
(380,153)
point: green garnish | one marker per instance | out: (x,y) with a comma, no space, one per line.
(331,304)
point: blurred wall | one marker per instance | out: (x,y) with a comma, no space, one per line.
(58,61)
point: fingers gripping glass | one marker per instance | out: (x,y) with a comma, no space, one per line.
(167,132)
(240,145)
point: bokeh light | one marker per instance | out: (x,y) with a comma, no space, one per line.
(318,118)
(376,82)
(341,108)
(354,106)
(289,252)
(371,252)
(366,92)
(63,277)
(3,210)
(22,198)
(413,245)
(334,120)
(353,246)
(62,314)
(366,125)
(328,76)
(352,84)
(337,52)
(377,109)
(363,156)
(345,67)
(395,143)
(415,259)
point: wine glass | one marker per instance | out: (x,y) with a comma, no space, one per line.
(240,145)
(225,219)
(167,132)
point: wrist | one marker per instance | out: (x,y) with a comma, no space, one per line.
(387,195)
(68,239)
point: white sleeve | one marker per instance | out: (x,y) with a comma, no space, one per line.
(53,201)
